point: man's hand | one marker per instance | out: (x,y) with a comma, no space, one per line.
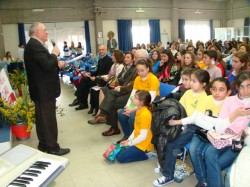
(61,64)
(92,78)
(55,50)
(117,88)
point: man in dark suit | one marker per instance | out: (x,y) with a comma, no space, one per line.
(44,86)
(92,79)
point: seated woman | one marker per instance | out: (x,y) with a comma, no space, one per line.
(239,63)
(122,78)
(168,71)
(156,58)
(8,58)
(220,63)
(139,142)
(97,97)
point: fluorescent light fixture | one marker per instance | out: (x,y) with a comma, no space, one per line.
(197,11)
(38,10)
(140,10)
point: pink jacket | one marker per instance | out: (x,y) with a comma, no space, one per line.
(229,106)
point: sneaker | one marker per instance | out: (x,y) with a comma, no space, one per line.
(181,155)
(201,184)
(157,168)
(163,181)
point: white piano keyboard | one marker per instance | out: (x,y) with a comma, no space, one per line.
(25,166)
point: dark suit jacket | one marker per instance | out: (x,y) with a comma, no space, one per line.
(103,67)
(42,72)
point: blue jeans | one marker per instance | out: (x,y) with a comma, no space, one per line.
(170,153)
(127,122)
(131,154)
(196,150)
(227,177)
(217,160)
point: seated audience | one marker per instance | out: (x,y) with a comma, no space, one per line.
(156,58)
(209,59)
(139,142)
(239,63)
(191,101)
(168,71)
(116,68)
(8,58)
(145,81)
(90,79)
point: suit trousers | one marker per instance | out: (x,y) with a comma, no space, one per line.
(82,91)
(113,101)
(46,124)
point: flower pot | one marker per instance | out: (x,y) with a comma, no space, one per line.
(20,131)
(20,92)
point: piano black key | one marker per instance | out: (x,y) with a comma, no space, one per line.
(42,165)
(25,178)
(22,181)
(38,167)
(17,184)
(33,171)
(30,174)
(42,162)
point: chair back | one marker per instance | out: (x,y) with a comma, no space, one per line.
(166,89)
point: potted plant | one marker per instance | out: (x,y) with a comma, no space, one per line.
(17,79)
(20,114)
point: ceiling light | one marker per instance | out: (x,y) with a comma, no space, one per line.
(197,12)
(38,10)
(140,10)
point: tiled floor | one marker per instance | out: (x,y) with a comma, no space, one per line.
(87,166)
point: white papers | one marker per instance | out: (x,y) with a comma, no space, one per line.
(74,59)
(96,88)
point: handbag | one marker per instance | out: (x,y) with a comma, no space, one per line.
(226,139)
(111,153)
(202,134)
(112,81)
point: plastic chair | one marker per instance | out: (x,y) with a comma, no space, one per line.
(166,89)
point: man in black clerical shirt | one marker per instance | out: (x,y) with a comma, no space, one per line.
(90,80)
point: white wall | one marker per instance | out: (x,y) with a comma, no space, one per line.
(109,25)
(235,23)
(165,31)
(11,38)
(216,23)
(92,37)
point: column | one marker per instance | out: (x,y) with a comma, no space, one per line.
(2,48)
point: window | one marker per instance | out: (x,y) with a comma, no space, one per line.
(140,32)
(60,32)
(197,30)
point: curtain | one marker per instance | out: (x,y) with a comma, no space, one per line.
(21,33)
(87,36)
(181,27)
(211,29)
(125,34)
(246,26)
(155,35)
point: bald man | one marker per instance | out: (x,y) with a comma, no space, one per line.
(44,86)
(90,80)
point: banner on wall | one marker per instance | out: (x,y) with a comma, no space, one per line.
(6,90)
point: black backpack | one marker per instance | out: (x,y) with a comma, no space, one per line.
(162,131)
